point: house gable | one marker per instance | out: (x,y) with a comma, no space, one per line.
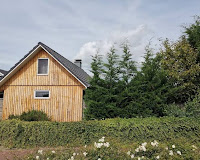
(27,75)
(74,70)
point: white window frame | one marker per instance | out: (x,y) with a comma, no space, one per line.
(42,97)
(38,67)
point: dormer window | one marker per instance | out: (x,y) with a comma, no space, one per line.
(43,66)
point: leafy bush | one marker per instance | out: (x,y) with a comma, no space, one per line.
(32,115)
(13,117)
(193,106)
(189,109)
(15,133)
(174,110)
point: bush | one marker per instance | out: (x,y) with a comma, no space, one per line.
(174,110)
(193,106)
(13,117)
(31,116)
(20,134)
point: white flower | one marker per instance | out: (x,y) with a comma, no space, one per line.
(99,159)
(85,146)
(166,148)
(129,153)
(107,144)
(142,148)
(72,158)
(53,152)
(102,139)
(139,158)
(85,154)
(158,157)
(40,151)
(173,146)
(194,147)
(142,156)
(171,153)
(144,144)
(47,158)
(137,149)
(37,157)
(154,143)
(132,156)
(179,152)
(98,145)
(74,154)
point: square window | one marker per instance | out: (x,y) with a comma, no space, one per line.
(43,66)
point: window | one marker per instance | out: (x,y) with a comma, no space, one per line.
(43,66)
(1,95)
(42,94)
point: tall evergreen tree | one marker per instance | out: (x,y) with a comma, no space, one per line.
(127,70)
(94,95)
(127,65)
(111,75)
(148,88)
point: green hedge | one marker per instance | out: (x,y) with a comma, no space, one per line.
(20,134)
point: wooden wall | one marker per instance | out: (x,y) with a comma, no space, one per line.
(1,107)
(66,93)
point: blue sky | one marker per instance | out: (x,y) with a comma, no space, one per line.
(78,28)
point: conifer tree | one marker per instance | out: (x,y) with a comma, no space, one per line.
(148,88)
(111,75)
(127,70)
(94,95)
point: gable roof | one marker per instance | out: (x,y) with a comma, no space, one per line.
(76,71)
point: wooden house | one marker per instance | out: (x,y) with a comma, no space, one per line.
(44,80)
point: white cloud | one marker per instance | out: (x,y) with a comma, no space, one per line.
(138,38)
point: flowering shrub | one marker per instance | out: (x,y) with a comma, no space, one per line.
(104,150)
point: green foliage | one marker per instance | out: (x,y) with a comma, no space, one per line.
(193,35)
(13,117)
(32,115)
(148,88)
(193,106)
(101,96)
(20,134)
(179,60)
(119,150)
(174,110)
(170,77)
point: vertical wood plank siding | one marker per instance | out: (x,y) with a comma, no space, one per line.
(66,93)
